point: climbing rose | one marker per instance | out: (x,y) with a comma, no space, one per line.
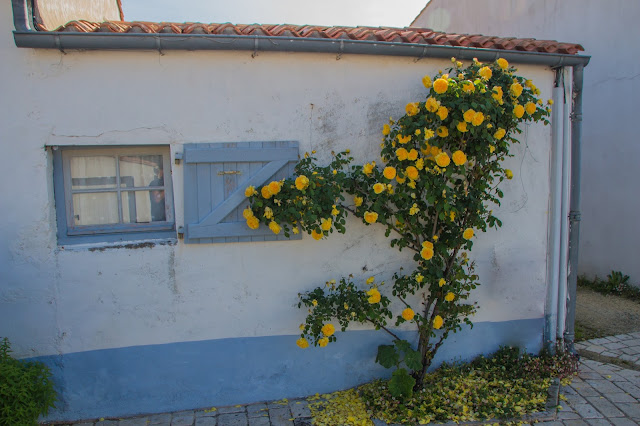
(449,297)
(302,182)
(508,173)
(412,173)
(432,105)
(412,155)
(499,134)
(468,115)
(443,159)
(378,188)
(443,132)
(485,73)
(367,169)
(328,329)
(268,213)
(275,228)
(426,253)
(253,222)
(325,224)
(389,172)
(250,191)
(412,109)
(459,158)
(316,235)
(478,118)
(370,217)
(530,108)
(442,282)
(515,89)
(502,63)
(404,139)
(408,314)
(357,201)
(462,127)
(443,113)
(402,154)
(440,85)
(386,129)
(274,187)
(323,342)
(426,80)
(247,213)
(266,194)
(438,321)
(518,111)
(302,342)
(467,234)
(374,296)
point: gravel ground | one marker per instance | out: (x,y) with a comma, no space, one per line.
(598,315)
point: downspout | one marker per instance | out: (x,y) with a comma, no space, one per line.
(557,123)
(574,213)
(566,191)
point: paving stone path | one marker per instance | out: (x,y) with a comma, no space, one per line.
(602,394)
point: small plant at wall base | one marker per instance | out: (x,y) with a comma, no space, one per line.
(26,389)
(441,164)
(616,283)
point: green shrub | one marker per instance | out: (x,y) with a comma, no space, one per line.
(616,283)
(26,389)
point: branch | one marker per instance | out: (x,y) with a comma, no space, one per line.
(384,328)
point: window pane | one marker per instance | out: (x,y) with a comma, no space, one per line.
(99,208)
(93,172)
(141,170)
(143,206)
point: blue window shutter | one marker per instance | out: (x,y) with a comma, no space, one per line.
(215,177)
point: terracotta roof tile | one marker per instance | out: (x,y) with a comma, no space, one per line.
(409,35)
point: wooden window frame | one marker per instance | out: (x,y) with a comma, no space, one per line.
(68,233)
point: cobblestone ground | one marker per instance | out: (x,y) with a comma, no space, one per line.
(602,394)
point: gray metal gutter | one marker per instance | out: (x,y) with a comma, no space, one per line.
(574,206)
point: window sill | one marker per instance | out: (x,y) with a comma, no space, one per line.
(130,240)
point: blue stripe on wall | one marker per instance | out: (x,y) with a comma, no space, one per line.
(187,375)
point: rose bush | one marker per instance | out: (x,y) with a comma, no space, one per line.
(442,163)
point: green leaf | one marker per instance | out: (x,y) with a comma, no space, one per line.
(401,384)
(387,356)
(403,345)
(413,359)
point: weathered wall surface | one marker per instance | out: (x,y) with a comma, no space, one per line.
(177,326)
(610,150)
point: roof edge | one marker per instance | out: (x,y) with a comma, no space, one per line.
(118,41)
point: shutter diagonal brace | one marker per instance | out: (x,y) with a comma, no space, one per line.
(235,199)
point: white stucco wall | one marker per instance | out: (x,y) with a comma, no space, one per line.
(69,299)
(610,153)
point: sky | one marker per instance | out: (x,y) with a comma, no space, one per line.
(375,13)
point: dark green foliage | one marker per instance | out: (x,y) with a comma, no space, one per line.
(26,389)
(616,283)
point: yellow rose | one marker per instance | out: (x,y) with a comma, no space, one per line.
(417,132)
(295,230)
(412,173)
(443,112)
(452,216)
(502,63)
(274,187)
(402,154)
(302,343)
(428,134)
(515,89)
(478,118)
(492,149)
(426,253)
(468,115)
(443,132)
(438,321)
(325,224)
(432,104)
(335,211)
(378,188)
(443,159)
(314,302)
(266,193)
(389,172)
(508,173)
(253,222)
(401,180)
(426,80)
(420,164)
(374,296)
(370,217)
(328,330)
(518,111)
(412,109)
(268,213)
(367,169)
(442,282)
(357,201)
(497,94)
(412,155)
(459,158)
(419,278)
(275,228)
(414,209)
(485,73)
(302,182)
(530,108)
(467,234)
(550,102)
(408,314)
(499,134)
(462,127)
(386,129)
(404,139)
(450,297)
(440,85)
(370,280)
(468,87)
(250,191)
(247,213)
(323,342)
(316,235)
(427,244)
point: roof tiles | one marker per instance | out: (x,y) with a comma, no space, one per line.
(410,35)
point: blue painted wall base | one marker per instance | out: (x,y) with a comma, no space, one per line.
(188,375)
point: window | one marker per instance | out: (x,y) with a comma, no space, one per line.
(113,194)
